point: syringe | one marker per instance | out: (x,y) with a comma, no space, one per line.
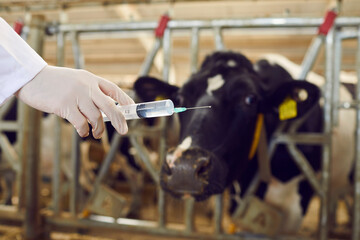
(150,110)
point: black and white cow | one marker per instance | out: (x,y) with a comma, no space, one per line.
(214,144)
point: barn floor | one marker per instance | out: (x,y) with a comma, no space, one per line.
(15,233)
(308,229)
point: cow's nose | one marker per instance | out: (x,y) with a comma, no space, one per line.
(188,175)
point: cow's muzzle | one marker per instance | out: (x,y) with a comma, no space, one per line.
(188,173)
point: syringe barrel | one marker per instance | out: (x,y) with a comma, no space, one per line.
(146,110)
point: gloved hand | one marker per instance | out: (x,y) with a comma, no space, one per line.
(78,96)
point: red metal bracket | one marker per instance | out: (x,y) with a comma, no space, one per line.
(159,31)
(18,26)
(328,22)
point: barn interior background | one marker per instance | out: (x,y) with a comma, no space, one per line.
(114,39)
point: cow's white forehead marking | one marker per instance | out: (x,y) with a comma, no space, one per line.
(231,63)
(171,158)
(214,83)
(186,143)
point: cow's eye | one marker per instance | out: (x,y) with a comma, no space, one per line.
(250,99)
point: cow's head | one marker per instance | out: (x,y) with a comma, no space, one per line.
(215,143)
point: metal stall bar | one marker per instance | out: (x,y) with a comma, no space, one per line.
(194,49)
(115,142)
(9,126)
(189,215)
(78,56)
(188,24)
(219,41)
(162,156)
(75,146)
(337,69)
(159,34)
(356,215)
(20,178)
(310,56)
(139,227)
(167,54)
(315,46)
(145,68)
(325,173)
(32,191)
(218,214)
(145,158)
(56,180)
(5,108)
(299,158)
(20,138)
(163,123)
(305,167)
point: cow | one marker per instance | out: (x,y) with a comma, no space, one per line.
(215,144)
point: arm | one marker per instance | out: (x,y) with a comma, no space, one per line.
(76,95)
(19,63)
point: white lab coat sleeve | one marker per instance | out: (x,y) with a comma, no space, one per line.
(19,63)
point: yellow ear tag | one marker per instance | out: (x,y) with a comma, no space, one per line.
(287,109)
(160,97)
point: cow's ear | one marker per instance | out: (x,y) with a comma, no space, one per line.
(291,99)
(149,89)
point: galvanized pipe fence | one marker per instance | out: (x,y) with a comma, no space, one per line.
(332,43)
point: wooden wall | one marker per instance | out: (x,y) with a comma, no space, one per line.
(118,57)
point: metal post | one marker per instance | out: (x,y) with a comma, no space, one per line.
(20,178)
(167,54)
(194,49)
(78,56)
(162,140)
(305,167)
(336,78)
(146,67)
(325,173)
(6,107)
(75,166)
(218,213)
(356,215)
(56,181)
(32,212)
(189,215)
(219,42)
(145,158)
(115,142)
(272,23)
(161,208)
(310,56)
(75,149)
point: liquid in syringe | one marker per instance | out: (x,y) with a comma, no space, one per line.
(151,109)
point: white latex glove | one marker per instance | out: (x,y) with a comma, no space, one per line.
(78,96)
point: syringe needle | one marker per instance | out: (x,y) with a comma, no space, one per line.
(183,109)
(198,107)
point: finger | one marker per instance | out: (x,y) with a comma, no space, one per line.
(115,92)
(92,113)
(108,106)
(79,121)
